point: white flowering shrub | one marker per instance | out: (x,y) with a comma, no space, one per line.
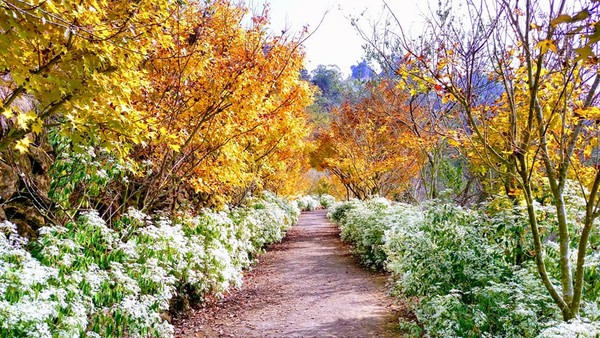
(275,216)
(459,265)
(326,200)
(572,329)
(337,212)
(447,248)
(88,279)
(29,296)
(362,225)
(81,172)
(517,306)
(308,203)
(117,288)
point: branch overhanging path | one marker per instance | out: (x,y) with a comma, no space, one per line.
(307,286)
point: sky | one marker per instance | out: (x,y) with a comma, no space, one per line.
(335,42)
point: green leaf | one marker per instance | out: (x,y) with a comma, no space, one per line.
(584,52)
(563,18)
(594,37)
(584,14)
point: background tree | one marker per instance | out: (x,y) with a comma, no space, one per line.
(374,148)
(330,83)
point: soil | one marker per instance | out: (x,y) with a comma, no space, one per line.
(307,286)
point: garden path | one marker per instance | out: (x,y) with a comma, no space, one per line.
(307,286)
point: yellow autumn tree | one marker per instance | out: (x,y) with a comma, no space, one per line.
(78,63)
(69,69)
(198,100)
(523,83)
(225,104)
(375,148)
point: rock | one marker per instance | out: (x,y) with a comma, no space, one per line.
(9,182)
(40,165)
(27,217)
(166,316)
(24,187)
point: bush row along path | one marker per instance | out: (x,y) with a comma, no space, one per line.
(307,286)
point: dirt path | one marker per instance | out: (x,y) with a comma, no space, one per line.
(307,286)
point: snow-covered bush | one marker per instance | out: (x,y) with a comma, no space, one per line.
(445,248)
(572,329)
(89,279)
(363,226)
(327,200)
(308,203)
(458,264)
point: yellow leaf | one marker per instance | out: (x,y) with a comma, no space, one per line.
(50,6)
(24,118)
(441,64)
(535,26)
(561,19)
(23,145)
(36,127)
(584,52)
(8,113)
(445,99)
(564,18)
(584,14)
(546,45)
(591,113)
(587,152)
(454,143)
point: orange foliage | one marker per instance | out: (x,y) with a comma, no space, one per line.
(226,105)
(376,143)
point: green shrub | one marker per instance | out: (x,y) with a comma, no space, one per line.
(337,212)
